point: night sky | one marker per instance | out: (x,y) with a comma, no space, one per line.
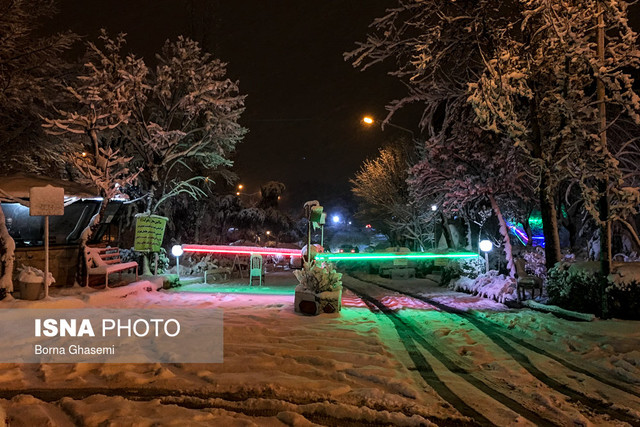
(304,101)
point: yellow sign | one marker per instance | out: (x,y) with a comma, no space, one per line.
(149,233)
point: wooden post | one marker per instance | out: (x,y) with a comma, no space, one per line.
(46,256)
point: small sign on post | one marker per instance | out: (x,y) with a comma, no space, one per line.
(46,201)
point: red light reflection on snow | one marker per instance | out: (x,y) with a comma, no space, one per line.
(392,302)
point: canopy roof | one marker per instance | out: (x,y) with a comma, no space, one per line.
(17,186)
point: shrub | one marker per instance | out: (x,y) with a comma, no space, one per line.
(319,278)
(575,287)
(467,267)
(578,287)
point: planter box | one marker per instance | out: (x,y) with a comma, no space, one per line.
(30,290)
(312,303)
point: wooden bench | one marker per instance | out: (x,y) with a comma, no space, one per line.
(526,281)
(104,261)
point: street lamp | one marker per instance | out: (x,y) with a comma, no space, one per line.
(336,219)
(368,120)
(177,252)
(240,186)
(433,209)
(486,246)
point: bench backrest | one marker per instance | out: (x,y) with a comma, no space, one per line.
(99,257)
(520,267)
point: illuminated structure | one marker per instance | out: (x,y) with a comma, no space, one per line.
(535,221)
(241,250)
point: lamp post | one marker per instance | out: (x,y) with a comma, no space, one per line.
(177,252)
(486,246)
(433,209)
(368,120)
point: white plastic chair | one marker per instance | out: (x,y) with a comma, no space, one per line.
(255,268)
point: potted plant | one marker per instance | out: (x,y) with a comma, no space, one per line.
(31,282)
(320,289)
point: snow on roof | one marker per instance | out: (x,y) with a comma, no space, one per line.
(18,186)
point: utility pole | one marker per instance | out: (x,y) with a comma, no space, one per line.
(603,184)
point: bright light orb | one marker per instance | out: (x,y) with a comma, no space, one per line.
(434,208)
(240,186)
(336,218)
(486,245)
(368,120)
(176,250)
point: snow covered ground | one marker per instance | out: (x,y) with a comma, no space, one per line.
(426,355)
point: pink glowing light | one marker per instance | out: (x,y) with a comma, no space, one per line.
(241,250)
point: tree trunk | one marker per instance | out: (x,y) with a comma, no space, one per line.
(504,231)
(469,244)
(527,230)
(7,255)
(603,184)
(549,222)
(446,231)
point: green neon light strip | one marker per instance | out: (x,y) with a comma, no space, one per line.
(392,256)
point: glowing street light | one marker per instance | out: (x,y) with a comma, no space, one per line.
(177,252)
(268,233)
(240,186)
(336,219)
(486,246)
(237,193)
(368,120)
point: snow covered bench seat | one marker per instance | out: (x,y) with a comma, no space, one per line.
(104,261)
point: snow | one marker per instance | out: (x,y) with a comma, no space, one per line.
(281,368)
(33,275)
(498,287)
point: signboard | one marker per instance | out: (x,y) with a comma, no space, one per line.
(46,201)
(149,233)
(400,262)
(316,214)
(441,262)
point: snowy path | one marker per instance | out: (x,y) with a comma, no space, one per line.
(405,353)
(539,386)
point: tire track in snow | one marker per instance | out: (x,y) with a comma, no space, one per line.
(409,336)
(495,333)
(203,400)
(511,336)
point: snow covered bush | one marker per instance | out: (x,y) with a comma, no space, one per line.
(492,285)
(197,264)
(575,286)
(127,255)
(465,267)
(33,275)
(623,292)
(319,278)
(535,262)
(578,287)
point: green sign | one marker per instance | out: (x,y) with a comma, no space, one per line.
(149,233)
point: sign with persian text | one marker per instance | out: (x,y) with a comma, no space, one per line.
(46,201)
(149,233)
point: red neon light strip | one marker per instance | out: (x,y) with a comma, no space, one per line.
(241,250)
